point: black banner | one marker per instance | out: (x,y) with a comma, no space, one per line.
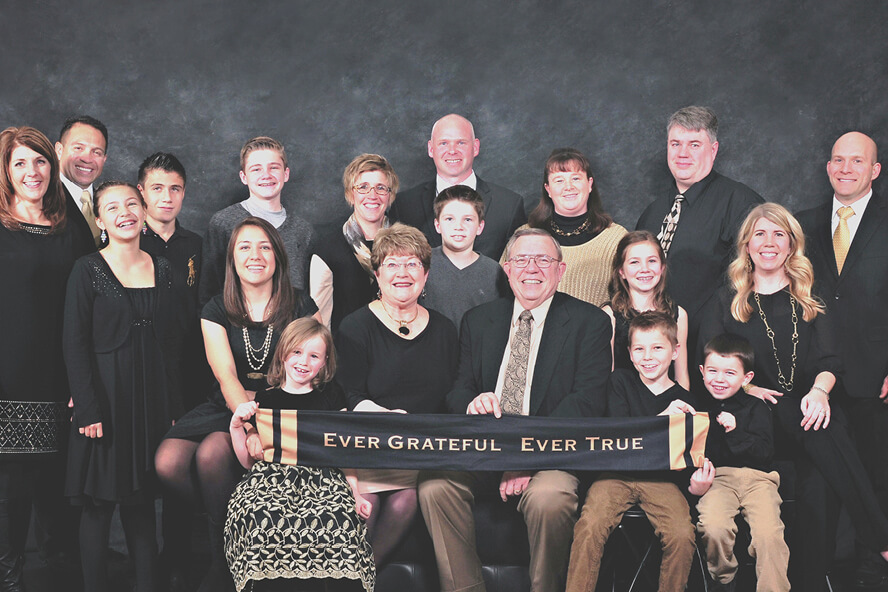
(481,442)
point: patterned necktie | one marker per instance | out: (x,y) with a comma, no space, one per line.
(512,398)
(670,223)
(87,209)
(842,236)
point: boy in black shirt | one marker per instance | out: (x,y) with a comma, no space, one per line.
(649,391)
(741,445)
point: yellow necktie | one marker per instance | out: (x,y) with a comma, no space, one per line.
(842,236)
(87,209)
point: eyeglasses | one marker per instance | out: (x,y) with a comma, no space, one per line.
(410,266)
(542,261)
(365,188)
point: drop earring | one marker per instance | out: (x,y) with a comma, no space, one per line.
(103,237)
(145,227)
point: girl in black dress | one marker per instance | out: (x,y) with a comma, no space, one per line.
(121,346)
(287,522)
(769,302)
(638,284)
(241,328)
(39,242)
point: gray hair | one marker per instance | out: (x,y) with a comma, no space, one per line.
(530,232)
(695,118)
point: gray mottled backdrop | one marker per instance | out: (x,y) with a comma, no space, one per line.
(334,78)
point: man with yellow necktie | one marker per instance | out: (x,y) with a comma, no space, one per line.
(81,149)
(848,245)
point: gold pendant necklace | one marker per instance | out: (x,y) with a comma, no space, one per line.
(403,329)
(781,379)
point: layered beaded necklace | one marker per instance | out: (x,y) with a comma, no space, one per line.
(253,352)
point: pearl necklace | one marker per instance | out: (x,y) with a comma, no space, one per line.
(252,352)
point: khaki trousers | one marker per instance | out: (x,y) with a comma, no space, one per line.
(754,494)
(549,506)
(606,502)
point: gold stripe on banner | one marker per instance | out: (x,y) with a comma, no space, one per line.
(265,427)
(701,430)
(677,442)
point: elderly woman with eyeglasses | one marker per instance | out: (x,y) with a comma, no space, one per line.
(341,278)
(395,355)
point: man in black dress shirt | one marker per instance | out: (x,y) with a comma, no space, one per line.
(453,146)
(855,293)
(162,184)
(711,210)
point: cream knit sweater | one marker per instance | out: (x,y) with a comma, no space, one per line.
(589,266)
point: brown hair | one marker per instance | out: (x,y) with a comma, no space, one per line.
(618,289)
(400,240)
(294,335)
(462,193)
(262,143)
(282,304)
(731,345)
(654,320)
(101,189)
(563,160)
(54,206)
(366,163)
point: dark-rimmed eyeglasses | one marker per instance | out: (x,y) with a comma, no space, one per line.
(365,188)
(542,261)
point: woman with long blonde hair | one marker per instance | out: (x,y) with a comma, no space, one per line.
(769,302)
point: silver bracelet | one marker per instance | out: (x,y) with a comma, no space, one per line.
(822,390)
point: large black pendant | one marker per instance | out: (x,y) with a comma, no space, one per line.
(404,330)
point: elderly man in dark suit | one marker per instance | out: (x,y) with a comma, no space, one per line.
(848,245)
(541,353)
(453,146)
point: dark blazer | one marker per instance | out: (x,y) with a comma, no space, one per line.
(75,216)
(572,366)
(857,299)
(503,213)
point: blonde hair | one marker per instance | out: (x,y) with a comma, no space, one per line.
(797,266)
(367,163)
(294,335)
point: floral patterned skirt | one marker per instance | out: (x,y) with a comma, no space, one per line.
(296,522)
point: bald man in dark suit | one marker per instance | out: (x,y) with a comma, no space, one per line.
(853,282)
(453,146)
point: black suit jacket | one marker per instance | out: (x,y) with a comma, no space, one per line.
(503,213)
(572,366)
(858,298)
(75,216)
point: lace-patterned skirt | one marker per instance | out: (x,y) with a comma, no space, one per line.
(296,522)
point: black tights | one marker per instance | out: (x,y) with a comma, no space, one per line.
(392,516)
(139,528)
(204,474)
